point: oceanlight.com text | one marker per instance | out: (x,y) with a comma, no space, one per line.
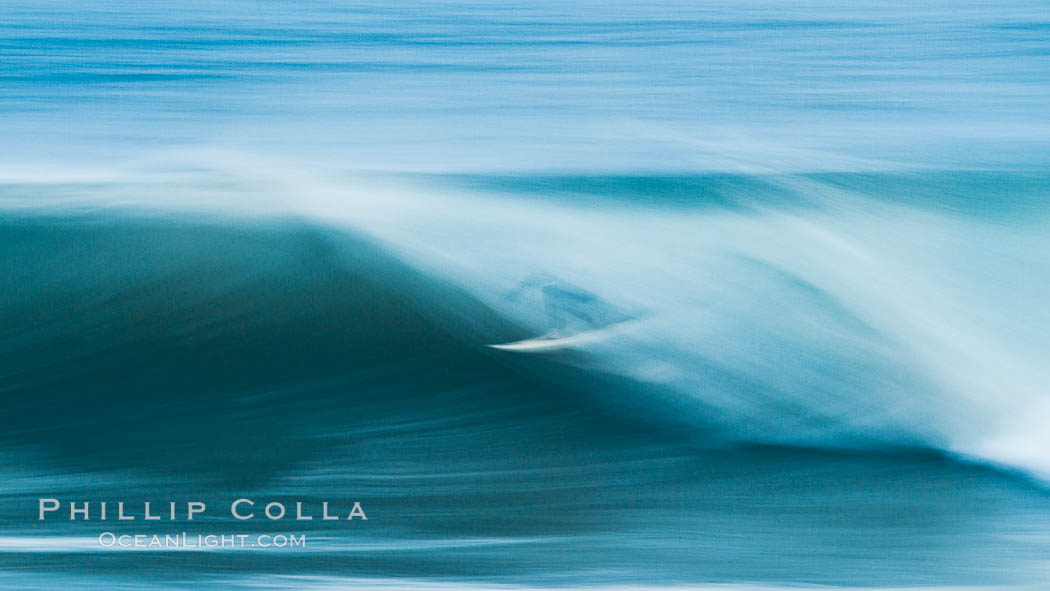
(187,541)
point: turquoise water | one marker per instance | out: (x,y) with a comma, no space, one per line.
(259,251)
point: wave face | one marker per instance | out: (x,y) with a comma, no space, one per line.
(260,249)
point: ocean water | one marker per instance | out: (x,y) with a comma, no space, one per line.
(259,250)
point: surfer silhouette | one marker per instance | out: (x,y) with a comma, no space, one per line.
(566,305)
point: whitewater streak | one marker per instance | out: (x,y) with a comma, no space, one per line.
(831,316)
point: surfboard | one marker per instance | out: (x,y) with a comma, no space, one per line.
(546,343)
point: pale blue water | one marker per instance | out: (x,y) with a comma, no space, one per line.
(258,249)
(442,86)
